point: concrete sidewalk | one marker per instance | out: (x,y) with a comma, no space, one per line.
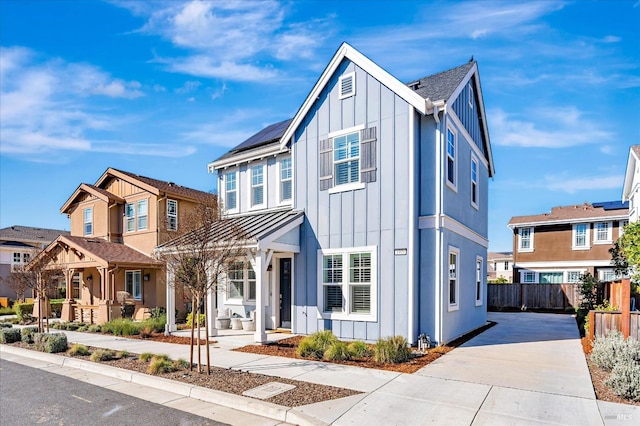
(528,369)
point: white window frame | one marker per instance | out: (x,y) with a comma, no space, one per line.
(139,216)
(522,249)
(453,185)
(470,94)
(602,272)
(479,289)
(172,226)
(335,188)
(621,226)
(89,222)
(525,274)
(609,238)
(455,305)
(346,313)
(556,273)
(263,168)
(235,175)
(574,236)
(134,219)
(573,277)
(475,183)
(283,180)
(133,274)
(247,283)
(342,95)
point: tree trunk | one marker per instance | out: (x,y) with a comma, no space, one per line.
(193,323)
(206,332)
(199,348)
(46,304)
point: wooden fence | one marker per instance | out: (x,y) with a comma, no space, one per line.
(626,321)
(532,296)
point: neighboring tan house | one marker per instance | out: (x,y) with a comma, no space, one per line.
(560,246)
(500,265)
(631,188)
(115,225)
(367,211)
(17,245)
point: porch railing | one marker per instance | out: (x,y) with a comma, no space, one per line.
(86,313)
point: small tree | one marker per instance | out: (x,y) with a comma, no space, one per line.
(625,254)
(200,254)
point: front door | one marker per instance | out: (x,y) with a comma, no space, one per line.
(285,293)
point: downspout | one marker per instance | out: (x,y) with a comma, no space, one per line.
(411,223)
(438,211)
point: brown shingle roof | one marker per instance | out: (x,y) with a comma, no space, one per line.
(569,214)
(109,252)
(28,233)
(169,187)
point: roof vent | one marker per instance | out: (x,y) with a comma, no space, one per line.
(347,85)
(414,85)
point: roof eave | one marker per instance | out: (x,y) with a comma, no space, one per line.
(569,221)
(248,156)
(628,175)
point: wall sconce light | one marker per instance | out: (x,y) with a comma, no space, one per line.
(147,277)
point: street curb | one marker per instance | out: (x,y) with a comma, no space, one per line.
(236,402)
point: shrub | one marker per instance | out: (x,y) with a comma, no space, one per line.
(23,311)
(316,344)
(6,310)
(156,324)
(160,365)
(50,342)
(79,350)
(9,335)
(83,327)
(190,318)
(360,349)
(607,349)
(121,327)
(103,355)
(146,356)
(26,334)
(5,325)
(146,332)
(158,312)
(338,351)
(56,309)
(625,380)
(181,364)
(94,328)
(391,350)
(122,354)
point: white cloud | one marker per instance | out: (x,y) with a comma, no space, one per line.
(571,185)
(188,87)
(555,127)
(218,93)
(611,39)
(159,88)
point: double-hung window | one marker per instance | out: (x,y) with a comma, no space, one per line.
(130,215)
(136,215)
(525,239)
(580,236)
(286,179)
(474,183)
(88,221)
(231,191)
(602,233)
(133,284)
(451,159)
(257,186)
(346,158)
(241,280)
(453,278)
(172,215)
(348,283)
(479,281)
(142,214)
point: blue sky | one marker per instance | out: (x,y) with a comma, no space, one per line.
(163,88)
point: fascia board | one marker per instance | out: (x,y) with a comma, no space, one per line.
(568,221)
(246,157)
(347,51)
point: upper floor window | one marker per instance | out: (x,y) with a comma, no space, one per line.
(602,232)
(580,236)
(474,182)
(478,281)
(453,278)
(506,265)
(346,158)
(172,215)
(525,239)
(19,260)
(136,215)
(470,92)
(286,179)
(451,158)
(133,284)
(141,206)
(257,186)
(130,215)
(88,221)
(231,191)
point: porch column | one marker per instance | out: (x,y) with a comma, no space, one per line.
(260,263)
(67,309)
(171,303)
(212,311)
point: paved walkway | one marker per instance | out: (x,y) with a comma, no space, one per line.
(528,369)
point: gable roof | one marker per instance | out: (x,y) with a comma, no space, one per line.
(441,86)
(18,233)
(634,158)
(93,190)
(572,214)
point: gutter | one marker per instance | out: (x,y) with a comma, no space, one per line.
(412,229)
(438,213)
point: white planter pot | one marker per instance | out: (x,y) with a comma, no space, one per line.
(248,325)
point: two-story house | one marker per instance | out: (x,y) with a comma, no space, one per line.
(17,245)
(500,265)
(560,246)
(631,187)
(367,211)
(115,225)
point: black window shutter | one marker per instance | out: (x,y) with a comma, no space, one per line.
(325,158)
(368,155)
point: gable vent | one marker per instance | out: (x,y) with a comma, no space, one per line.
(347,85)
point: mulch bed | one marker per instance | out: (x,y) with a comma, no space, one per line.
(287,348)
(181,340)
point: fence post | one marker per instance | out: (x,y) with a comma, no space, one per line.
(592,325)
(625,307)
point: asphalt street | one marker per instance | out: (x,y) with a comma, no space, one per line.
(30,396)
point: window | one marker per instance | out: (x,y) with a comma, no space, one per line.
(130,215)
(347,85)
(573,276)
(528,277)
(525,240)
(231,191)
(474,182)
(133,284)
(75,286)
(506,265)
(257,186)
(241,281)
(348,283)
(25,258)
(346,158)
(136,215)
(88,221)
(142,214)
(580,236)
(451,158)
(607,275)
(602,233)
(453,278)
(621,226)
(17,258)
(470,92)
(172,215)
(286,179)
(479,281)
(551,277)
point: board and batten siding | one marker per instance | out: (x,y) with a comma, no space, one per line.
(469,115)
(376,215)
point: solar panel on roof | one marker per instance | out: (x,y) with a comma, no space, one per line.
(268,134)
(612,205)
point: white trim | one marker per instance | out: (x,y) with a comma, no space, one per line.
(476,192)
(482,278)
(167,213)
(346,187)
(587,243)
(279,200)
(456,305)
(411,220)
(460,127)
(84,223)
(352,76)
(565,221)
(236,160)
(345,131)
(453,186)
(450,224)
(470,94)
(531,234)
(224,191)
(265,186)
(609,239)
(346,51)
(621,225)
(561,264)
